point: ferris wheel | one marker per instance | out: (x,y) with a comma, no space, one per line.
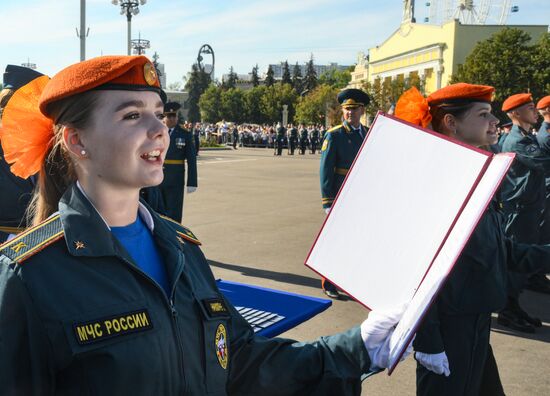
(470,12)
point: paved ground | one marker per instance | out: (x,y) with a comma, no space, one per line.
(257,216)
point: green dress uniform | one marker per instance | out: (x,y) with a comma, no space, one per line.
(292,140)
(459,320)
(172,188)
(314,139)
(340,147)
(303,141)
(280,140)
(79,317)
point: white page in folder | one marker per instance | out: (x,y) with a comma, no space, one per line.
(448,255)
(393,212)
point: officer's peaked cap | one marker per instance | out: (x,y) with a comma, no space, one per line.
(17,76)
(353,98)
(171,107)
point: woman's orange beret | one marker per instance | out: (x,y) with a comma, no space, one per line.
(134,73)
(461,92)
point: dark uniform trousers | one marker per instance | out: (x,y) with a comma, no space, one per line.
(172,188)
(78,317)
(458,322)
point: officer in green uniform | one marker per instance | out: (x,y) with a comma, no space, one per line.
(181,150)
(314,139)
(82,311)
(292,139)
(280,139)
(523,193)
(452,344)
(339,149)
(16,192)
(303,140)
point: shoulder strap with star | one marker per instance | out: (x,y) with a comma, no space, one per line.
(182,231)
(33,240)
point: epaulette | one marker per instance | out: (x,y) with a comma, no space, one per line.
(33,240)
(334,128)
(182,231)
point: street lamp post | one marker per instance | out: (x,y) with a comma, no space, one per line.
(129,8)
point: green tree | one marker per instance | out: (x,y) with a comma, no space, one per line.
(210,104)
(273,99)
(255,78)
(231,81)
(286,74)
(502,61)
(232,104)
(269,79)
(384,94)
(252,104)
(335,78)
(540,61)
(197,82)
(310,79)
(318,103)
(297,78)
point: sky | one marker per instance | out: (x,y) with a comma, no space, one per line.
(242,33)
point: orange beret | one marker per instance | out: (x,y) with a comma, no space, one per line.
(461,93)
(116,72)
(544,103)
(516,100)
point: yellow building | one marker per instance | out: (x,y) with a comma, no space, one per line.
(432,52)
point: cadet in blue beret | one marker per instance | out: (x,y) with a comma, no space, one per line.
(16,192)
(181,149)
(340,146)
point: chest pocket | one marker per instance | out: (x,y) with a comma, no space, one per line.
(217,349)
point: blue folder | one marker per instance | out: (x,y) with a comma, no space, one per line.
(271,312)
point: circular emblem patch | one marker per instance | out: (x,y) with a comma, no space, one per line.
(150,74)
(221,346)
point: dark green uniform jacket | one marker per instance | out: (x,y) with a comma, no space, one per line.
(78,317)
(15,194)
(543,137)
(523,190)
(340,147)
(459,320)
(181,150)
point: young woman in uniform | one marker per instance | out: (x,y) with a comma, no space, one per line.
(452,345)
(105,297)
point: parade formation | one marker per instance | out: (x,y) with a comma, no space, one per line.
(105,290)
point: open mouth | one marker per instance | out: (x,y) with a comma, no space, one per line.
(152,156)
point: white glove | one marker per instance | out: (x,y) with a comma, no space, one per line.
(327,210)
(191,189)
(376,332)
(436,362)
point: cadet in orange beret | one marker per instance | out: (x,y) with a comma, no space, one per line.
(452,347)
(104,296)
(543,136)
(524,199)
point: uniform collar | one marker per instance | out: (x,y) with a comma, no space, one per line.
(87,232)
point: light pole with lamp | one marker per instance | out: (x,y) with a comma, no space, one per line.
(129,8)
